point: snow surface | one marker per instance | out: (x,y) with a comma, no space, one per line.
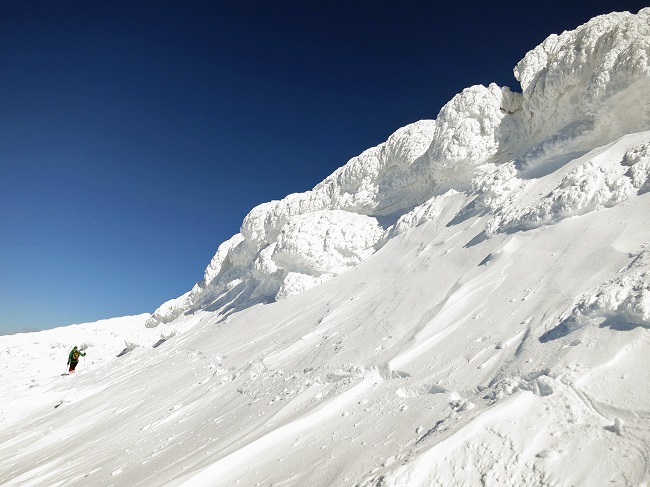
(465,304)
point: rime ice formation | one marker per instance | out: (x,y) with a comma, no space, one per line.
(465,304)
(572,81)
(602,178)
(581,89)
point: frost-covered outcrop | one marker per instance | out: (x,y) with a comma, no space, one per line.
(580,90)
(599,182)
(590,83)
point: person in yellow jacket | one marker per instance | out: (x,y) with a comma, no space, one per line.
(73,358)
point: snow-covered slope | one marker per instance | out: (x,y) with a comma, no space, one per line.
(465,304)
(580,90)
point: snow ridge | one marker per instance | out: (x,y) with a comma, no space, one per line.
(580,89)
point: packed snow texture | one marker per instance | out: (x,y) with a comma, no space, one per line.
(581,89)
(465,304)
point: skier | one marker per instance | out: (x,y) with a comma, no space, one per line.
(73,358)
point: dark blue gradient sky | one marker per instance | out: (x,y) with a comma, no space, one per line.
(135,136)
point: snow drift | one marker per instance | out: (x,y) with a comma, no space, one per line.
(465,304)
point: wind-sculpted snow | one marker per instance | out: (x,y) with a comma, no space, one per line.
(430,210)
(581,90)
(218,266)
(467,134)
(323,244)
(599,182)
(623,302)
(586,77)
(494,329)
(638,160)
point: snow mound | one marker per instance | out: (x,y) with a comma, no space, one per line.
(622,302)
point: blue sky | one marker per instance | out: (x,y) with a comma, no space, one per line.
(135,138)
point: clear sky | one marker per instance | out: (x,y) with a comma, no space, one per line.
(135,136)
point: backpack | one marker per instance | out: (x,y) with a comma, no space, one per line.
(75,355)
